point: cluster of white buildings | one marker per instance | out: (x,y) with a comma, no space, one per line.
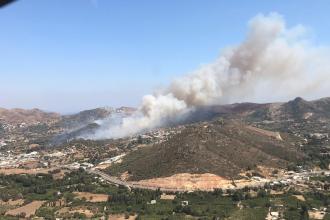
(76,166)
(8,160)
(319,136)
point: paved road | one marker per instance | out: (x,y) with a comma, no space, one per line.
(108,178)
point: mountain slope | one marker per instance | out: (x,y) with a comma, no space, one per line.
(83,118)
(224,148)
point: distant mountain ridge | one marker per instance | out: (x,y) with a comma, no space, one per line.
(297,109)
(32,116)
(28,116)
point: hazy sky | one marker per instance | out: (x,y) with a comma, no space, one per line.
(69,55)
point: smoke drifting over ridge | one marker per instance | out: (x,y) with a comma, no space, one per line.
(273,62)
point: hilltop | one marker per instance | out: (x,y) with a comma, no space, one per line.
(222,147)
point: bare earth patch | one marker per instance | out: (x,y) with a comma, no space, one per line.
(92,197)
(192,182)
(187,181)
(11,171)
(12,202)
(28,209)
(167,197)
(121,217)
(102,166)
(316,214)
(125,176)
(63,210)
(71,210)
(300,197)
(268,171)
(275,135)
(273,192)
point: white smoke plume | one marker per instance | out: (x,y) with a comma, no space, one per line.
(273,62)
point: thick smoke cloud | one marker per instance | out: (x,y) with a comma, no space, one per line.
(272,63)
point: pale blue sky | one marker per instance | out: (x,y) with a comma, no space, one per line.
(69,55)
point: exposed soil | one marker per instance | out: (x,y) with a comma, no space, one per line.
(12,202)
(121,217)
(167,197)
(192,182)
(92,197)
(69,210)
(316,214)
(300,197)
(28,209)
(12,171)
(275,135)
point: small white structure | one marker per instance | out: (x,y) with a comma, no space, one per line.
(184,203)
(274,214)
(86,165)
(153,202)
(113,159)
(74,166)
(56,154)
(256,178)
(31,155)
(2,144)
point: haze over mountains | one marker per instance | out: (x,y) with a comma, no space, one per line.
(297,109)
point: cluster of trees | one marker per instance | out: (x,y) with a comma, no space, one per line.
(324,198)
(135,197)
(20,185)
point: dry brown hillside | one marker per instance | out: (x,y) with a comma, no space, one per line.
(31,116)
(224,148)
